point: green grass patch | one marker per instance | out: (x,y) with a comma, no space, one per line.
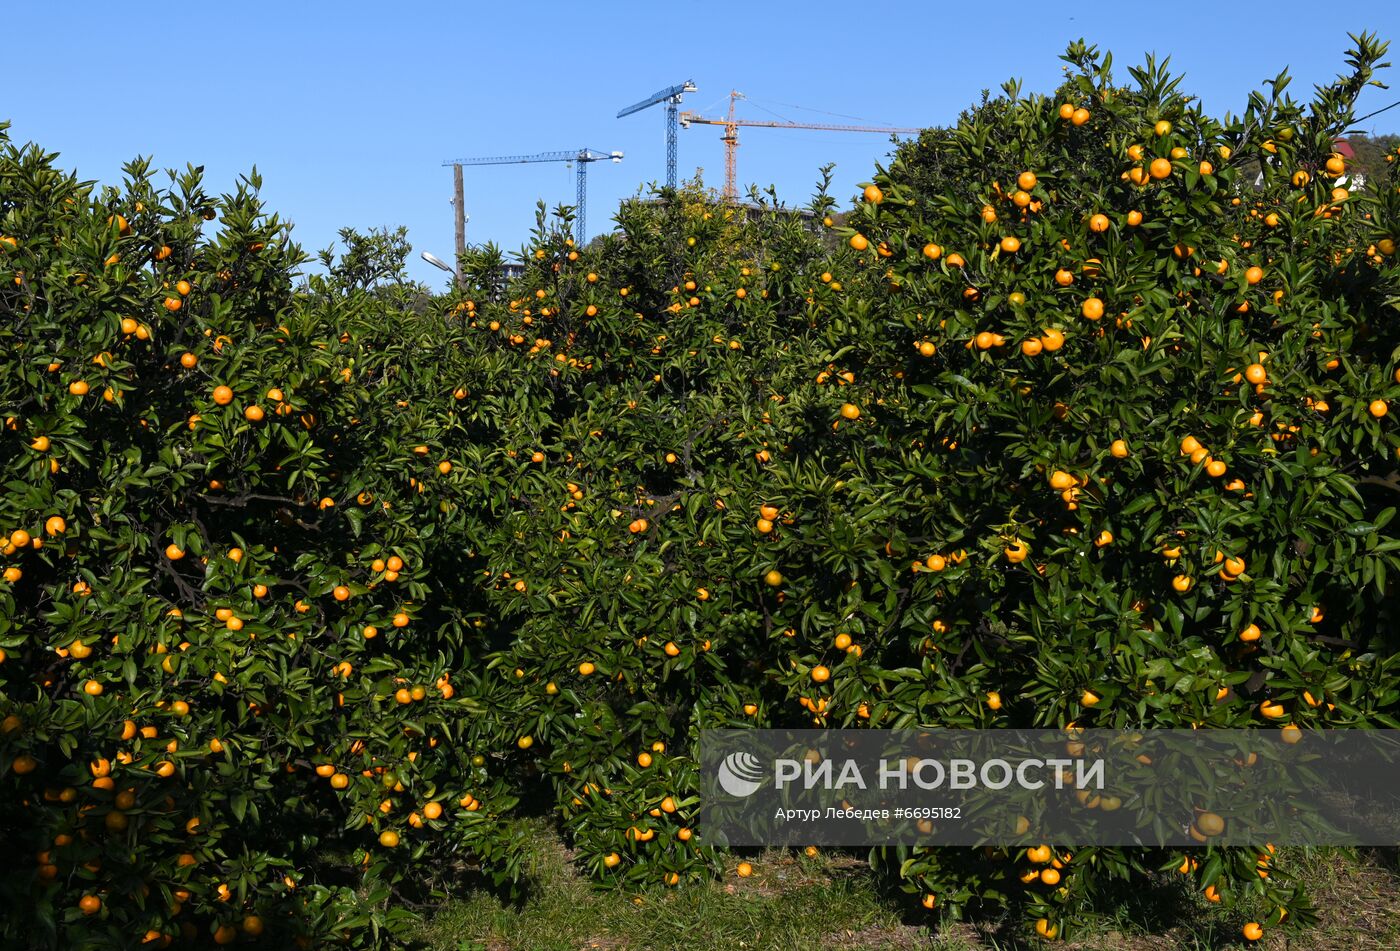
(793,903)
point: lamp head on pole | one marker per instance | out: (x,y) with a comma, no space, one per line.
(436,261)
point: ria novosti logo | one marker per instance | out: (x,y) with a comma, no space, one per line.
(741,774)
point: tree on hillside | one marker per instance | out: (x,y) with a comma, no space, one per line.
(1371,152)
(374,262)
(370,260)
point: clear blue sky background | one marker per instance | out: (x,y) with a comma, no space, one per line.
(348,109)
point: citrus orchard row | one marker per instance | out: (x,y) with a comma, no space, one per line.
(1085,414)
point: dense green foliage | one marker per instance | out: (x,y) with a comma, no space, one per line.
(434,571)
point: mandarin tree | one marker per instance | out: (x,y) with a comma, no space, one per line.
(226,666)
(1160,425)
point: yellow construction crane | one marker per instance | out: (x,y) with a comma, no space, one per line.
(731,135)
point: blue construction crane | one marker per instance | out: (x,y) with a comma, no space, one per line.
(672,97)
(582,157)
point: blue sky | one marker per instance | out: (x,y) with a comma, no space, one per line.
(348,109)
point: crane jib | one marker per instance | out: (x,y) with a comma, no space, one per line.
(582,156)
(670,92)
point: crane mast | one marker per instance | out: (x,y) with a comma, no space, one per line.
(671,96)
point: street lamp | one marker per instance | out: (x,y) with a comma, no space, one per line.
(436,261)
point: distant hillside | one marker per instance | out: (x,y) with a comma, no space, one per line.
(1371,152)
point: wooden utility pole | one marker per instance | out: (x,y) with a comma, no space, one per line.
(459,213)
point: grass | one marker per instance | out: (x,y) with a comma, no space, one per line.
(833,902)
